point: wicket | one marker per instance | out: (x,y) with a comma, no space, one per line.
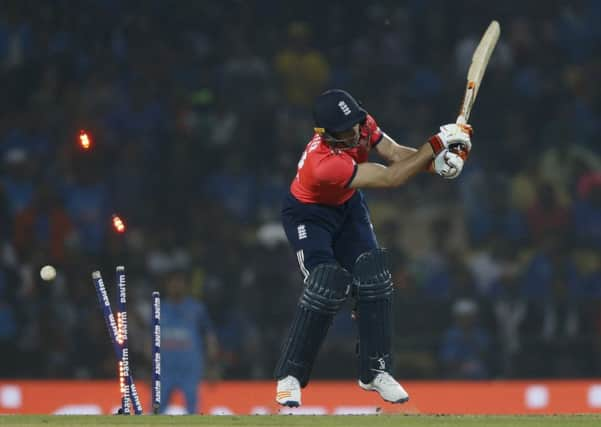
(124,375)
(156,352)
(118,332)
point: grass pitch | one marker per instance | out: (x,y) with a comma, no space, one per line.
(305,420)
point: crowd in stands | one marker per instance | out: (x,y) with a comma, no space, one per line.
(198,112)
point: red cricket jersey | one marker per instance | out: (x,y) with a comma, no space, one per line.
(324,173)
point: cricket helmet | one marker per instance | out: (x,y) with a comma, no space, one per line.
(336,110)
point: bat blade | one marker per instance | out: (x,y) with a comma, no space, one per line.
(477,68)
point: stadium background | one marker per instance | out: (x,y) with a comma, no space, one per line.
(198,113)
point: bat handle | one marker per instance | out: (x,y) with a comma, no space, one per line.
(461,121)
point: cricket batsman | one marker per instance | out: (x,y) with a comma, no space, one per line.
(327,223)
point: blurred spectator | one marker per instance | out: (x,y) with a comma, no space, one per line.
(43,225)
(18,180)
(584,274)
(466,346)
(303,71)
(540,270)
(86,199)
(445,275)
(490,262)
(15,43)
(165,253)
(245,78)
(587,210)
(510,309)
(9,325)
(436,264)
(188,342)
(547,216)
(239,342)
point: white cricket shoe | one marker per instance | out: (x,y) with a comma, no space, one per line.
(389,389)
(288,392)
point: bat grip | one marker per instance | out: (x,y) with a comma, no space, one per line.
(461,120)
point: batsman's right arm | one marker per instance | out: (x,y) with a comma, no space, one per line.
(375,175)
(390,150)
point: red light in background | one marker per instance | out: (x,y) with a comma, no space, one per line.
(118,224)
(84,140)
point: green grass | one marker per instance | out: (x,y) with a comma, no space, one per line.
(305,420)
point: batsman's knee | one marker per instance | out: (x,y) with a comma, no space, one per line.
(372,278)
(326,289)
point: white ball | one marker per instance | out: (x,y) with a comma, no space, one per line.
(48,272)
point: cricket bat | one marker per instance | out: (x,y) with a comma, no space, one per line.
(477,68)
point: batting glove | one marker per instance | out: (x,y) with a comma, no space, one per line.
(448,165)
(450,137)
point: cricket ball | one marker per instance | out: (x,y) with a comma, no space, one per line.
(48,273)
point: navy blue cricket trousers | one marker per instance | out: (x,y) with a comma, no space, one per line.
(321,234)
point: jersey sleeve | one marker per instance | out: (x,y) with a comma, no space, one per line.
(336,171)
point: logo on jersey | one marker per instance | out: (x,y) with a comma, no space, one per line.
(302,232)
(345,108)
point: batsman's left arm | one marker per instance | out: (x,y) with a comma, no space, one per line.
(392,152)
